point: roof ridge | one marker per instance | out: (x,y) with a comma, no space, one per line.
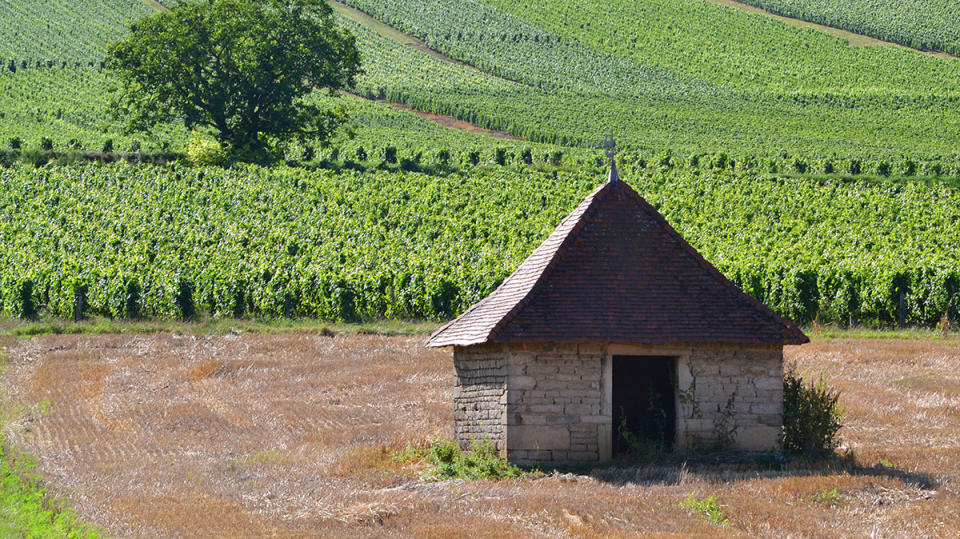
(796,333)
(576,215)
(548,269)
(527,300)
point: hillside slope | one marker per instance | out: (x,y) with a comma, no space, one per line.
(931,25)
(59,31)
(709,77)
(689,77)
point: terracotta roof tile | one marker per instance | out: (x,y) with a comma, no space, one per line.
(614,270)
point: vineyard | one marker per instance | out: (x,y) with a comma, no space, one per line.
(735,49)
(68,107)
(510,48)
(930,25)
(177,242)
(684,81)
(35,32)
(539,80)
(775,155)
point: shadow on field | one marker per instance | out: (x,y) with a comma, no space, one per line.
(732,467)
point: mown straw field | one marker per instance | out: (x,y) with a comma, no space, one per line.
(292,435)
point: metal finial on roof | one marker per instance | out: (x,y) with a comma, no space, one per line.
(611,150)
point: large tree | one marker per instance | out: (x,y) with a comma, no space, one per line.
(243,68)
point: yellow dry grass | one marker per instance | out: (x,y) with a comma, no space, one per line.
(292,435)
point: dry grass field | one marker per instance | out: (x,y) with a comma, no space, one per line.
(291,435)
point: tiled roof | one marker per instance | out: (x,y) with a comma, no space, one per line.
(614,270)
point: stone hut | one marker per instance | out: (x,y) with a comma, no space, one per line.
(613,335)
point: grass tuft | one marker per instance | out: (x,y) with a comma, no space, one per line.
(25,508)
(828,497)
(812,415)
(448,461)
(706,507)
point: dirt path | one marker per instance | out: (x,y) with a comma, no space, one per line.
(291,435)
(854,39)
(156,6)
(454,123)
(448,121)
(407,40)
(389,32)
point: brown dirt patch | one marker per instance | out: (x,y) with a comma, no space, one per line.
(292,435)
(452,122)
(389,32)
(156,6)
(407,40)
(445,120)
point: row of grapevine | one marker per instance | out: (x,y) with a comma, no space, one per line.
(173,241)
(732,48)
(899,167)
(515,50)
(442,154)
(63,30)
(930,25)
(553,91)
(872,105)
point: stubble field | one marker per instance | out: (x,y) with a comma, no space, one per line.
(292,434)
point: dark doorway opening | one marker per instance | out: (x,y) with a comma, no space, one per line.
(644,404)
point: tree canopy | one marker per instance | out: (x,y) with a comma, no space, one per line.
(243,68)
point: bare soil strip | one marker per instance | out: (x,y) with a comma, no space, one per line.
(853,39)
(451,122)
(288,435)
(389,32)
(156,6)
(407,40)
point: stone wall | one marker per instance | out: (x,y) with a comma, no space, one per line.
(554,403)
(730,396)
(480,395)
(543,404)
